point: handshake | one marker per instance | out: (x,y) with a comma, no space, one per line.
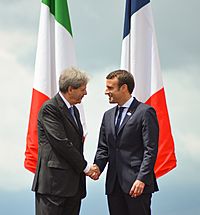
(94,172)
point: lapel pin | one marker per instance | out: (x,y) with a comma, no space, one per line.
(129,113)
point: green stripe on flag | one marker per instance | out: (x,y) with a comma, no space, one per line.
(59,9)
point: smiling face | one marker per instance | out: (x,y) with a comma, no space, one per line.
(114,92)
(74,96)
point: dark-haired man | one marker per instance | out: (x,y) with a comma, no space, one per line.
(128,142)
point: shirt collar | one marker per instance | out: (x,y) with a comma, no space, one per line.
(65,100)
(128,103)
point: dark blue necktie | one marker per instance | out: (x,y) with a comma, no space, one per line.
(119,118)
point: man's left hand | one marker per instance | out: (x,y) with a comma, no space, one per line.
(137,189)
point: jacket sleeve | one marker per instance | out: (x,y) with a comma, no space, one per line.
(101,157)
(150,134)
(51,121)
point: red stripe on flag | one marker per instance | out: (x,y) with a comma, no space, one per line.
(31,153)
(166,159)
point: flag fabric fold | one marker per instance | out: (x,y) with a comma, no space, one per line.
(55,52)
(140,57)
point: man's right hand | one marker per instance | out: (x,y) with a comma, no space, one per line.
(94,172)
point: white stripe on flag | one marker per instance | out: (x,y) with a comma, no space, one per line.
(55,53)
(140,54)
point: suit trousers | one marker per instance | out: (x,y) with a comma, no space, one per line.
(55,205)
(121,203)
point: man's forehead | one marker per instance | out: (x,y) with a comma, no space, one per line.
(112,81)
(83,86)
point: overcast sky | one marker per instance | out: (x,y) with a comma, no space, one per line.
(97,28)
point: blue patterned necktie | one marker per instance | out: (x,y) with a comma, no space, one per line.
(71,109)
(119,118)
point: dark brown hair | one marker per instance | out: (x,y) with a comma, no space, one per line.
(123,77)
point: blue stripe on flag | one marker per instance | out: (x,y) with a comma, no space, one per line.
(132,6)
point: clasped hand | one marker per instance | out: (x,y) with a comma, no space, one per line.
(94,172)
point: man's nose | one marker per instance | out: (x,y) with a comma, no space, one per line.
(106,92)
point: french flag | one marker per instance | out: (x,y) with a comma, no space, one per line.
(140,57)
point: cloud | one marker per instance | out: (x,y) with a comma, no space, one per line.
(15,90)
(16,78)
(98,26)
(182,90)
(178,36)
(101,23)
(20,45)
(18,14)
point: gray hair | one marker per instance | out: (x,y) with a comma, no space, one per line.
(72,77)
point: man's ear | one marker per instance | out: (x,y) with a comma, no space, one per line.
(70,89)
(124,87)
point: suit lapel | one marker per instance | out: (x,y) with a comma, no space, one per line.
(65,111)
(129,113)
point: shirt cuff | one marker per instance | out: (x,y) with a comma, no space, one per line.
(87,168)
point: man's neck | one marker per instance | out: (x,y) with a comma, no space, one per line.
(66,98)
(124,100)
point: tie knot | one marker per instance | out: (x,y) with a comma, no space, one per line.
(121,109)
(71,110)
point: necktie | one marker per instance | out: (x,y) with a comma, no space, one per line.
(120,111)
(71,109)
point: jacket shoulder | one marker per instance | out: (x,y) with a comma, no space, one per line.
(49,102)
(145,107)
(109,111)
(50,105)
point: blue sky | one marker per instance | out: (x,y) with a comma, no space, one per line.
(97,28)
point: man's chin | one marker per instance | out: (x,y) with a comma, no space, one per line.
(78,102)
(111,101)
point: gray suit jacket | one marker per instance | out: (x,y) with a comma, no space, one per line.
(60,156)
(131,153)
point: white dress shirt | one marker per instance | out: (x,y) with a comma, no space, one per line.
(126,107)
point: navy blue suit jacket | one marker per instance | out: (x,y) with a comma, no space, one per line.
(131,153)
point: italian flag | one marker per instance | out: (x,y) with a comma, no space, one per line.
(140,57)
(55,52)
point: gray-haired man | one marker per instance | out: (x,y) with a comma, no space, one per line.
(59,181)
